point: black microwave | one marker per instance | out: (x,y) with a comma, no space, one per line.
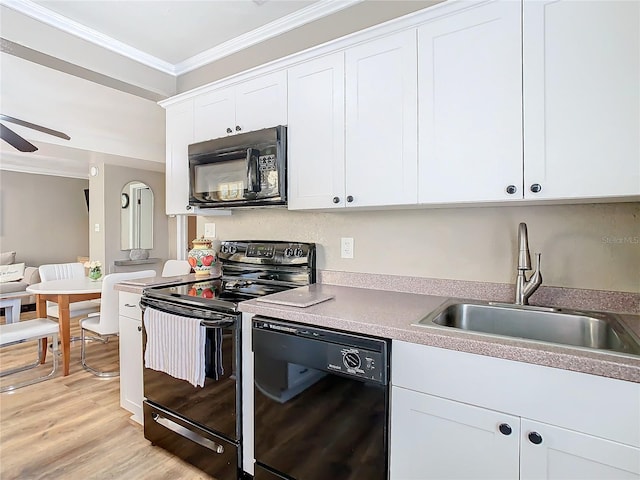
(243,170)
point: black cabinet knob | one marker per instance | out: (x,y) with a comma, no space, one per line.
(336,199)
(535,438)
(536,187)
(189,207)
(229,130)
(511,189)
(349,198)
(505,429)
(238,128)
(139,329)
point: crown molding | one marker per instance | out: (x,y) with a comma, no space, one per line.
(76,29)
(297,19)
(306,15)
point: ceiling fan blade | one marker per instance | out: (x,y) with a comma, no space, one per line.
(15,140)
(40,128)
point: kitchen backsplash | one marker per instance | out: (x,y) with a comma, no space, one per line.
(587,246)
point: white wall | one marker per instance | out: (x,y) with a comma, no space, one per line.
(591,246)
(107,186)
(43,218)
(99,119)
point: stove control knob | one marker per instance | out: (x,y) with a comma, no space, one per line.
(288,252)
(223,249)
(299,252)
(231,249)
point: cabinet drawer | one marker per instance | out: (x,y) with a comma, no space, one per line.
(130,305)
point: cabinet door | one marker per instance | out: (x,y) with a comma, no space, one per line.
(131,366)
(215,114)
(565,455)
(316,133)
(435,438)
(261,102)
(581,98)
(470,105)
(179,136)
(381,116)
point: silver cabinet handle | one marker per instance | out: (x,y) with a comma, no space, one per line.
(130,305)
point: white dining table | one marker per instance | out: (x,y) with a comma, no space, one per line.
(63,292)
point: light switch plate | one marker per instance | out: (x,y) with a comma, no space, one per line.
(346,247)
(210,230)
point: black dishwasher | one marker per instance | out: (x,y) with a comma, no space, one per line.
(321,403)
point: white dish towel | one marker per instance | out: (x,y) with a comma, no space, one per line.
(175,346)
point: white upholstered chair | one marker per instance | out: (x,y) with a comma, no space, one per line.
(176,267)
(59,271)
(28,330)
(106,323)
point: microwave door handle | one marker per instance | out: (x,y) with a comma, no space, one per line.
(253,183)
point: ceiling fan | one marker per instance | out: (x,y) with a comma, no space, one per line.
(19,143)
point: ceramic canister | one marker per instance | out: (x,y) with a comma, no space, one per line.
(203,258)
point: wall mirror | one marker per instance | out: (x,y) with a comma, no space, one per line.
(136,216)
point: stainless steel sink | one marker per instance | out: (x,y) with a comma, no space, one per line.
(560,326)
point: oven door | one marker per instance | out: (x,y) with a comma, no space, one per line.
(214,406)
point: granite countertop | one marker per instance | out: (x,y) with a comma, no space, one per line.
(390,314)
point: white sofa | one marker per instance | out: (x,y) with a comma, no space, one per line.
(14,287)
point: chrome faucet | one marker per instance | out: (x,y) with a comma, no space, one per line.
(525,288)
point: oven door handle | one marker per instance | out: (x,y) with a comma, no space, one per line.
(217,323)
(185,432)
(208,318)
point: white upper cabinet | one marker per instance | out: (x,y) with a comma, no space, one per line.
(316,133)
(179,136)
(245,107)
(353,126)
(381,121)
(581,98)
(470,105)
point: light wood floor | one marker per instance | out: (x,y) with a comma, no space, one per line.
(73,427)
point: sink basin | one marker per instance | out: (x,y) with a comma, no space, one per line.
(592,330)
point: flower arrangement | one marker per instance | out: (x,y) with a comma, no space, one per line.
(95,269)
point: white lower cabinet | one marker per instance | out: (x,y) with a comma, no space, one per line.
(131,392)
(563,454)
(456,415)
(435,438)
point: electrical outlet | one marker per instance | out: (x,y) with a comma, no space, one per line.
(96,227)
(210,230)
(346,247)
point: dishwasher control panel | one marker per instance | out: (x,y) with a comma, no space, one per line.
(355,362)
(331,351)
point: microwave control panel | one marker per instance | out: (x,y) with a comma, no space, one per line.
(266,162)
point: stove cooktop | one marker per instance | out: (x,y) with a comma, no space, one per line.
(250,269)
